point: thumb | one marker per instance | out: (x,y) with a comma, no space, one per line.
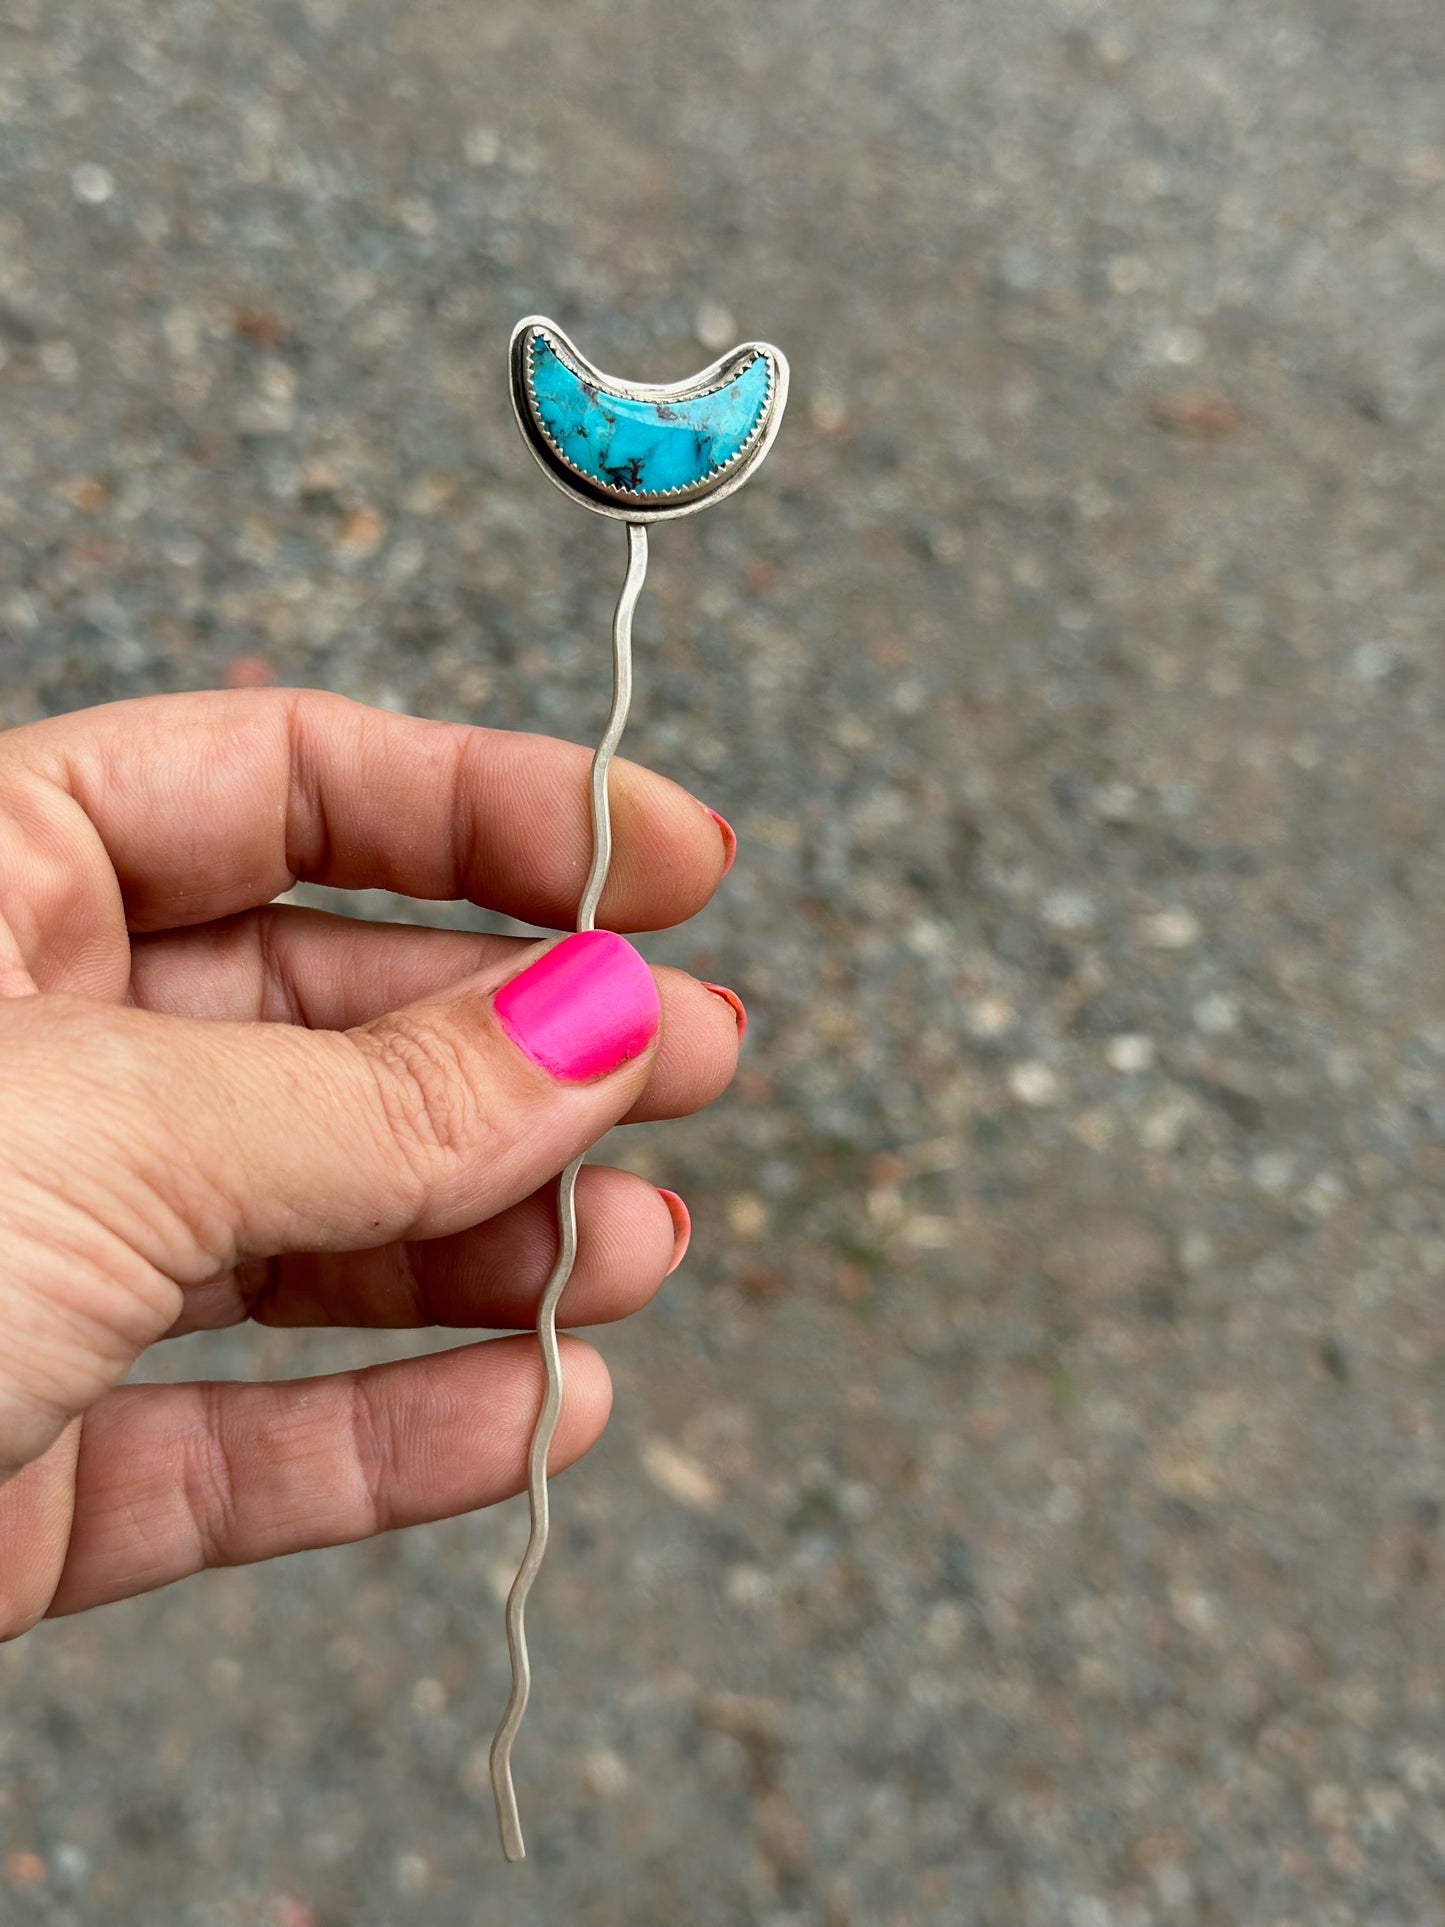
(152,1152)
(433,1117)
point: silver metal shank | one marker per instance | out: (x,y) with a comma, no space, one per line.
(503,1791)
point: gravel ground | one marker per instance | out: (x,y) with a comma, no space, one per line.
(1024,1508)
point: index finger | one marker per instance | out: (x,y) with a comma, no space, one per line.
(218,801)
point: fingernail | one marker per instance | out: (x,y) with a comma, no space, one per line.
(729,837)
(681,1227)
(583,1008)
(739,1010)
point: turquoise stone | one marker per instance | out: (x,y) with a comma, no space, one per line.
(645,447)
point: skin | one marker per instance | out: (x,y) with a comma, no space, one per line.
(218,1108)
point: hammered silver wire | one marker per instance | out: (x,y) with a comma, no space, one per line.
(508,1819)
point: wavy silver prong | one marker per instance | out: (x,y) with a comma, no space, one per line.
(503,1791)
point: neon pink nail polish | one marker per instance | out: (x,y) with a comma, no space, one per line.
(681,1227)
(583,1008)
(729,837)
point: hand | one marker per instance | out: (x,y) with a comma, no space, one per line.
(217,1107)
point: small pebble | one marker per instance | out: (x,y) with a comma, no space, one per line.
(1216,1015)
(1273,1172)
(428,1699)
(680,1476)
(715,327)
(1181,347)
(360,534)
(1034,1083)
(91,184)
(72,1863)
(411,1875)
(1130,1053)
(748,1216)
(828,412)
(224,1675)
(1171,930)
(482,147)
(991,1017)
(60,360)
(24,1869)
(605,1772)
(1069,910)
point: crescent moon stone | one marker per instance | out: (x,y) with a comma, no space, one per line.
(645,448)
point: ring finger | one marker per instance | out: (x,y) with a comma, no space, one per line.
(630,1237)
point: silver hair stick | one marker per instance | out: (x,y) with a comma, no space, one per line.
(639,453)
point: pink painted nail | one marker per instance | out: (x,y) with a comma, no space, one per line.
(681,1227)
(738,1008)
(729,837)
(583,1008)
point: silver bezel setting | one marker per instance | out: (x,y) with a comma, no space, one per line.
(620,504)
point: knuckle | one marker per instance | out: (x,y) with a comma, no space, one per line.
(372,1447)
(427,1093)
(47,847)
(209,1484)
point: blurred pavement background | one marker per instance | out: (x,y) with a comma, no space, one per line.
(1024,1508)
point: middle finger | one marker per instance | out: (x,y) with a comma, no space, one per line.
(630,1237)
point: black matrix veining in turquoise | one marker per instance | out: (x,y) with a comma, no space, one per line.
(645,447)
